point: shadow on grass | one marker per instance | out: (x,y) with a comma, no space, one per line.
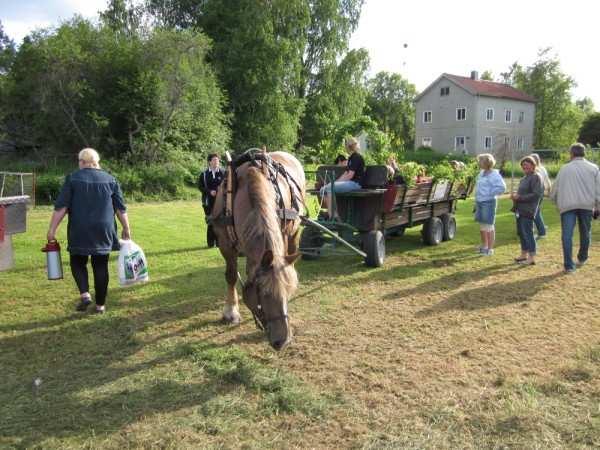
(75,352)
(490,296)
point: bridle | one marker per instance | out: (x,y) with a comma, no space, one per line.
(260,318)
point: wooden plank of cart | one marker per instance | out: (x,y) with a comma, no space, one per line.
(379,210)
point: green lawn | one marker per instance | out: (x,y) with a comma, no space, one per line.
(439,348)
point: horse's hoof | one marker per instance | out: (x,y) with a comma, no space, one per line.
(232,319)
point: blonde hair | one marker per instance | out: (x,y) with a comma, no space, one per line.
(90,156)
(486,160)
(537,159)
(352,144)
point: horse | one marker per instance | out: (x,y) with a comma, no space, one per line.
(256,230)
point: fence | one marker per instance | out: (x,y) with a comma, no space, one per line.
(15,184)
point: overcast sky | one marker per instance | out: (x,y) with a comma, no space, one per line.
(440,35)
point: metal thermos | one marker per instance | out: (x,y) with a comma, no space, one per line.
(53,260)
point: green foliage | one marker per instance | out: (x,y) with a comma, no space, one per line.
(390,103)
(429,156)
(135,95)
(47,187)
(410,171)
(589,133)
(557,118)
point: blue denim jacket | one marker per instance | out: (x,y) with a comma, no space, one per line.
(489,185)
(91,197)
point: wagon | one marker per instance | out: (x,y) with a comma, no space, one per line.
(381,209)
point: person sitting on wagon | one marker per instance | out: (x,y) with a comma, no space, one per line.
(394,170)
(351,179)
(341,160)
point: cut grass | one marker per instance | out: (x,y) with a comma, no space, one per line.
(439,348)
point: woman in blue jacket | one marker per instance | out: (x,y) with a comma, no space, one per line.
(489,185)
(91,198)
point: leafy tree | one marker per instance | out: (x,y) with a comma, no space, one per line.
(338,99)
(391,104)
(557,120)
(133,96)
(590,130)
(7,51)
(487,75)
(278,60)
(586,105)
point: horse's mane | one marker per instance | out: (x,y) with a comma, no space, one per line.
(262,229)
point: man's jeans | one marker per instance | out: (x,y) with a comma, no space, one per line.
(567,221)
(525,232)
(539,221)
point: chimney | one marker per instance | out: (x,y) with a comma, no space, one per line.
(474,75)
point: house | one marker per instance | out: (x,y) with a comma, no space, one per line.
(472,116)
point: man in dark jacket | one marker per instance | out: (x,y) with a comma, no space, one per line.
(208,183)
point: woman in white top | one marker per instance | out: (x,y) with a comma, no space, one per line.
(539,220)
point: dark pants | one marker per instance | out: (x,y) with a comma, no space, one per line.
(567,221)
(100,269)
(211,237)
(539,221)
(525,232)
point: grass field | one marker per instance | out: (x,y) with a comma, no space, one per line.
(439,348)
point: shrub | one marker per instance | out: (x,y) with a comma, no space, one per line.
(47,187)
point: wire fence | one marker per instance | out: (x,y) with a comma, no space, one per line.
(14,184)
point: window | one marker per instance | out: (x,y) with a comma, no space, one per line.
(508,115)
(426,116)
(489,114)
(427,142)
(461,113)
(521,143)
(521,116)
(459,143)
(487,142)
(444,91)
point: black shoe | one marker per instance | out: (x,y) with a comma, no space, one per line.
(83,304)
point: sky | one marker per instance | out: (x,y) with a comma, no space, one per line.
(455,36)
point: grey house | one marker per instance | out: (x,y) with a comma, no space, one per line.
(472,116)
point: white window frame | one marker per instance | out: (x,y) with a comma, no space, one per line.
(485,142)
(487,116)
(465,117)
(425,117)
(429,144)
(508,115)
(464,143)
(521,116)
(521,143)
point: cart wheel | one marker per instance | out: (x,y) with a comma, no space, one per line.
(449,222)
(374,247)
(433,231)
(311,240)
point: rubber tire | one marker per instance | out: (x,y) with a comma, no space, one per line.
(374,247)
(449,222)
(310,238)
(433,231)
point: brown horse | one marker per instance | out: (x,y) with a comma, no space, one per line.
(269,244)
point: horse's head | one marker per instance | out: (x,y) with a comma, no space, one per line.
(271,282)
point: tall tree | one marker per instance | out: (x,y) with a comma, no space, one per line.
(586,105)
(557,120)
(590,130)
(7,51)
(283,55)
(390,102)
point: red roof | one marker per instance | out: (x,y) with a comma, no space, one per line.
(490,88)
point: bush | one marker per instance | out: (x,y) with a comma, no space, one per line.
(429,156)
(47,187)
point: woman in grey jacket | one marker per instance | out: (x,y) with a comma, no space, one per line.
(526,203)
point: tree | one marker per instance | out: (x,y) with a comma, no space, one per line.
(557,120)
(278,60)
(7,51)
(390,103)
(134,96)
(590,130)
(487,75)
(586,105)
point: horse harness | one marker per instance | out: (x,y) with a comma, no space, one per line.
(271,169)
